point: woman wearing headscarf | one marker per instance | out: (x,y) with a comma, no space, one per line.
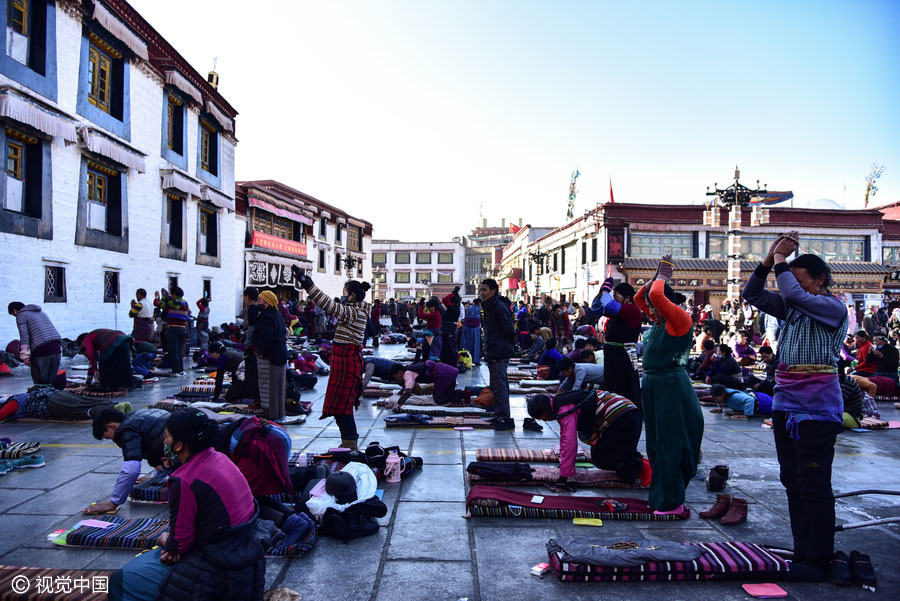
(674,422)
(623,328)
(807,410)
(345,384)
(270,342)
(471,331)
(216,544)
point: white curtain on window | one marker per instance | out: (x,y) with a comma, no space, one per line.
(119,30)
(181,82)
(18,108)
(219,116)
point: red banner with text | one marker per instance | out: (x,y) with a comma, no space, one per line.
(263,240)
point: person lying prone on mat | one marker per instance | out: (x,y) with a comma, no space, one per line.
(609,423)
(216,544)
(140,436)
(443,377)
(744,405)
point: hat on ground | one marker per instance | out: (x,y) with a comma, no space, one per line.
(341,486)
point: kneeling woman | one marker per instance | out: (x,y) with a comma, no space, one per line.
(610,423)
(215,546)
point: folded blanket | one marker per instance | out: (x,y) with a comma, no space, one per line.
(526,455)
(540,474)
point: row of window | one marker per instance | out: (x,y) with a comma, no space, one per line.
(102,199)
(354,234)
(55,285)
(403,258)
(403,277)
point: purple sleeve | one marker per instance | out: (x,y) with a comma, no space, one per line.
(756,294)
(824,308)
(128,475)
(568,442)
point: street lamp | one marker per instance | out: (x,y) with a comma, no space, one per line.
(538,258)
(734,198)
(350,262)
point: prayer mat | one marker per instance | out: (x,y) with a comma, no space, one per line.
(52,420)
(883,398)
(124,533)
(168,404)
(199,389)
(376,393)
(98,394)
(719,561)
(515,389)
(448,411)
(490,501)
(539,383)
(524,455)
(443,422)
(589,478)
(872,423)
(58,585)
(17,450)
(243,409)
(190,397)
(152,490)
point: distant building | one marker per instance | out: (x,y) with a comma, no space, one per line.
(483,251)
(286,227)
(119,168)
(416,269)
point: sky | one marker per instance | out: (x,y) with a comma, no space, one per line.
(423,116)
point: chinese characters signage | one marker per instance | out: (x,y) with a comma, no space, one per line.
(263,274)
(263,240)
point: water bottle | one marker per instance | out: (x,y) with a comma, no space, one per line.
(392,467)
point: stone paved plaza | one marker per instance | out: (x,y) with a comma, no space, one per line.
(425,549)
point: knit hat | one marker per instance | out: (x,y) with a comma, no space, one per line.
(341,486)
(268,298)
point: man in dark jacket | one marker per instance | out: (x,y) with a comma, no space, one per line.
(39,342)
(140,436)
(499,336)
(887,358)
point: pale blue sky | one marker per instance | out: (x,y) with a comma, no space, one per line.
(410,114)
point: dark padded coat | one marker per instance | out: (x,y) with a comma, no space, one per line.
(141,434)
(230,568)
(499,334)
(270,337)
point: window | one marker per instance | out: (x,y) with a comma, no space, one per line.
(359,268)
(110,286)
(563,260)
(209,148)
(15,159)
(99,78)
(262,222)
(354,238)
(18,28)
(401,277)
(173,282)
(337,263)
(401,258)
(175,124)
(321,260)
(54,284)
(17,16)
(24,175)
(423,258)
(445,278)
(584,253)
(423,278)
(594,250)
(337,233)
(283,228)
(207,288)
(555,261)
(104,199)
(656,245)
(379,259)
(29,50)
(445,258)
(174,220)
(209,234)
(323,227)
(891,255)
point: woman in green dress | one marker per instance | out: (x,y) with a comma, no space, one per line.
(672,413)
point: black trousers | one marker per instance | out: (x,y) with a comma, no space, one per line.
(619,374)
(806,476)
(347,426)
(617,448)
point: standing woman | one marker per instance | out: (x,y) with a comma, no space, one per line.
(471,331)
(623,328)
(450,329)
(808,405)
(270,342)
(345,383)
(672,413)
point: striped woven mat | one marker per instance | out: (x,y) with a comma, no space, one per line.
(524,455)
(124,533)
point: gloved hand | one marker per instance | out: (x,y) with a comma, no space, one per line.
(607,285)
(666,268)
(302,277)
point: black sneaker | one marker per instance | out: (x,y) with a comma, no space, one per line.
(531,424)
(504,423)
(839,571)
(862,570)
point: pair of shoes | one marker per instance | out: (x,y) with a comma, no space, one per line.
(531,424)
(504,423)
(716,478)
(732,511)
(28,462)
(862,571)
(124,407)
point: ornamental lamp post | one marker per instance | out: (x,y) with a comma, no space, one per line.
(538,258)
(734,198)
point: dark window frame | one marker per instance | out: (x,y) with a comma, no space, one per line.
(111,286)
(59,274)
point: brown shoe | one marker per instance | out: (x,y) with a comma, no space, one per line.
(723,502)
(737,513)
